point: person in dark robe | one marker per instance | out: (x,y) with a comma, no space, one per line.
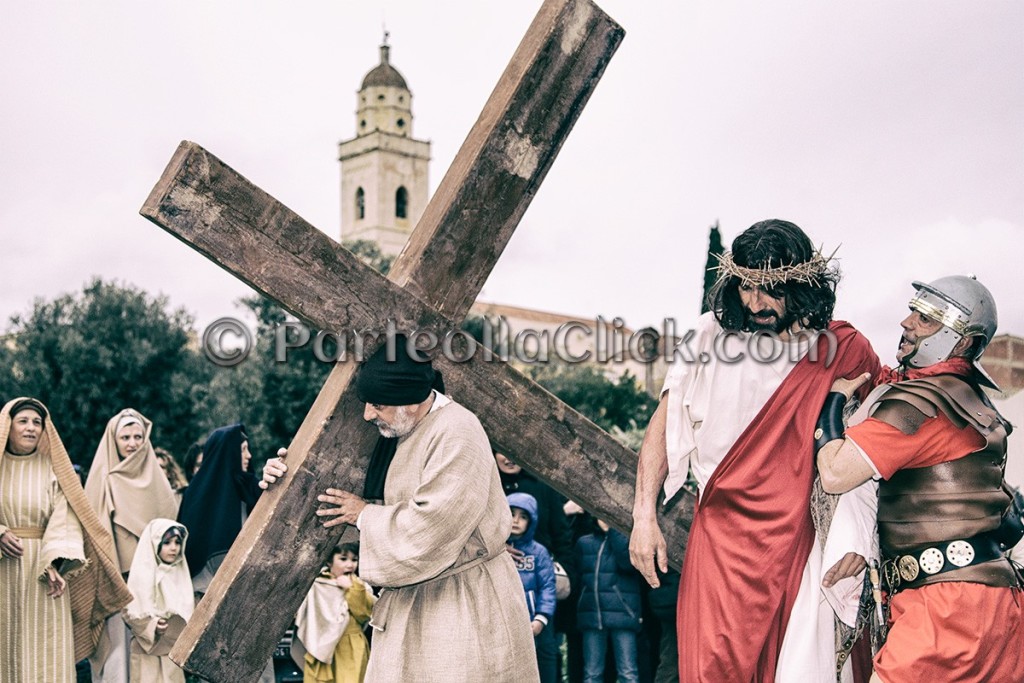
(217,502)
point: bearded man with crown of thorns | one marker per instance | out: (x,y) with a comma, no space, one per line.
(755,602)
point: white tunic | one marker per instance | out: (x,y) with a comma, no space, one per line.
(710,404)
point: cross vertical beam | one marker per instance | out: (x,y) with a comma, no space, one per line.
(460,237)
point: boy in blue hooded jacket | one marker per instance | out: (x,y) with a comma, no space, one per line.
(537,572)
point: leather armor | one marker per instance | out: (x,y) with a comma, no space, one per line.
(954,500)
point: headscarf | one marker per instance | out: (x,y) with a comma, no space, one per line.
(32,404)
(96,590)
(212,506)
(130,492)
(159,589)
(399,381)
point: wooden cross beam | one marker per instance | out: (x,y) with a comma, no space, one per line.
(431,287)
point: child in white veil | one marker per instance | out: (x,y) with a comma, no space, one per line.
(163,601)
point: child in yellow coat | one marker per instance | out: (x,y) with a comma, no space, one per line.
(331,619)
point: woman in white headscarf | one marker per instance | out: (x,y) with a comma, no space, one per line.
(162,590)
(128,490)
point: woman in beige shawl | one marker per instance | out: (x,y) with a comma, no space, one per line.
(58,576)
(162,604)
(128,490)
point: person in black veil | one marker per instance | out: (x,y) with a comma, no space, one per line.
(215,506)
(217,502)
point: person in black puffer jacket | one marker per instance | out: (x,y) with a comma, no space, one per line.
(609,607)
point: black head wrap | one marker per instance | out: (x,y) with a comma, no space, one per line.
(403,381)
(211,508)
(28,404)
(393,377)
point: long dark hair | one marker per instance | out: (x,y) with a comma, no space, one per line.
(775,243)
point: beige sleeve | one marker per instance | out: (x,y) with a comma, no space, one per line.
(143,627)
(62,538)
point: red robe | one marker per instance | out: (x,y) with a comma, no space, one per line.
(752,531)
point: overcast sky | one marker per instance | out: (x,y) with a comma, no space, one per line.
(891,128)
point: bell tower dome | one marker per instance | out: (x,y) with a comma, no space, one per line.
(384,183)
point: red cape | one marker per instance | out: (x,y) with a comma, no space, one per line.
(752,531)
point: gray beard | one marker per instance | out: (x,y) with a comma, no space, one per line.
(402,425)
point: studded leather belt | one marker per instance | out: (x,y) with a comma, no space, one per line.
(912,568)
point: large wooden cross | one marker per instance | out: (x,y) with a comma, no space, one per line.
(431,287)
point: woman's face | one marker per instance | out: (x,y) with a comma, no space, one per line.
(246,456)
(26,430)
(129,439)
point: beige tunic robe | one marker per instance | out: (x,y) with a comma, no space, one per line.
(126,494)
(96,588)
(36,636)
(452,607)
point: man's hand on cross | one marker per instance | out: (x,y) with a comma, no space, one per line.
(349,505)
(274,469)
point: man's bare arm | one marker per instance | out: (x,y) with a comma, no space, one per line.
(842,467)
(647,548)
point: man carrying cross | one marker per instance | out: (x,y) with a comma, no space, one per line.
(740,413)
(452,607)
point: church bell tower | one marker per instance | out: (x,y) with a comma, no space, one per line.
(383,168)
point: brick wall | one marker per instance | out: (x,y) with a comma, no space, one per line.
(1004,361)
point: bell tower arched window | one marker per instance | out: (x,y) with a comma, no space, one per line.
(360,203)
(402,203)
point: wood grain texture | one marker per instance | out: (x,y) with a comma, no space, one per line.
(215,210)
(506,155)
(281,546)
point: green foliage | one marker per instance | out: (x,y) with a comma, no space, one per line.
(89,355)
(631,438)
(474,325)
(370,253)
(620,405)
(621,408)
(270,397)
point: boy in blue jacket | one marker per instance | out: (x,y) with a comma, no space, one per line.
(537,572)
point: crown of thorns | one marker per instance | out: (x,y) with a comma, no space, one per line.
(807,272)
